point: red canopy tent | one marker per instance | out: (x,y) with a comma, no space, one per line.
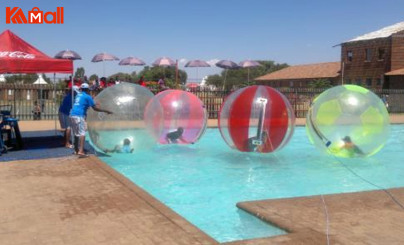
(18,56)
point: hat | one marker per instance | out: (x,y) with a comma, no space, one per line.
(85,86)
(76,89)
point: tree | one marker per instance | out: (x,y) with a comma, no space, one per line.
(80,72)
(238,78)
(155,73)
(215,80)
(320,83)
(121,76)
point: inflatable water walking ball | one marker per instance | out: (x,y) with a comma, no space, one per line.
(183,121)
(348,121)
(127,102)
(256,119)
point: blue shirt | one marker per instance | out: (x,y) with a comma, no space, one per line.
(81,104)
(66,105)
(126,149)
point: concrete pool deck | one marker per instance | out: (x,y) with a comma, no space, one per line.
(370,217)
(83,201)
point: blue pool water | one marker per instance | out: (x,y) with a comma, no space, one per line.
(203,182)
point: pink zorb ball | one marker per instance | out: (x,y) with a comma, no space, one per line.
(256,119)
(183,120)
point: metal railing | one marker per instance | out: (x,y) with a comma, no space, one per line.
(22,99)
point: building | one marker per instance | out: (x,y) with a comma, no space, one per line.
(301,75)
(373,60)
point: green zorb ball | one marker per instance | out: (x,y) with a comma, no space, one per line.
(348,121)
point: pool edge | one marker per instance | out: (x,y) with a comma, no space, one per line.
(174,217)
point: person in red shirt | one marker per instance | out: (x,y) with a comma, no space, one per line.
(110,82)
(103,82)
(141,81)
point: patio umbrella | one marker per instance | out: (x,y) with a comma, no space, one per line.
(247,64)
(131,61)
(164,62)
(226,64)
(197,63)
(104,57)
(68,55)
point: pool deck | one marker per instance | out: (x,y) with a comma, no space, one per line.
(354,218)
(68,200)
(83,201)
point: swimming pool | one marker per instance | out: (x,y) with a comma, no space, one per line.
(203,182)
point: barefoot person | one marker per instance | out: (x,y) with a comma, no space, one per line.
(82,102)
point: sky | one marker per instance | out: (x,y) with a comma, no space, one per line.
(293,32)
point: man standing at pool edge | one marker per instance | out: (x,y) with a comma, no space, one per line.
(78,115)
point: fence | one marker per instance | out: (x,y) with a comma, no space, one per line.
(20,99)
(299,98)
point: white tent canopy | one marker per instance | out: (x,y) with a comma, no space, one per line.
(2,78)
(40,80)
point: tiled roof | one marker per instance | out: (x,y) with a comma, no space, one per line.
(384,32)
(320,70)
(395,72)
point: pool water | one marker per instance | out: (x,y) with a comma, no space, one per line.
(203,182)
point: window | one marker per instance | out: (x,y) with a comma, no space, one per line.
(379,82)
(358,81)
(368,55)
(369,82)
(349,56)
(381,52)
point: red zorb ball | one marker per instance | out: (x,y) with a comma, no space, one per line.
(256,119)
(183,120)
